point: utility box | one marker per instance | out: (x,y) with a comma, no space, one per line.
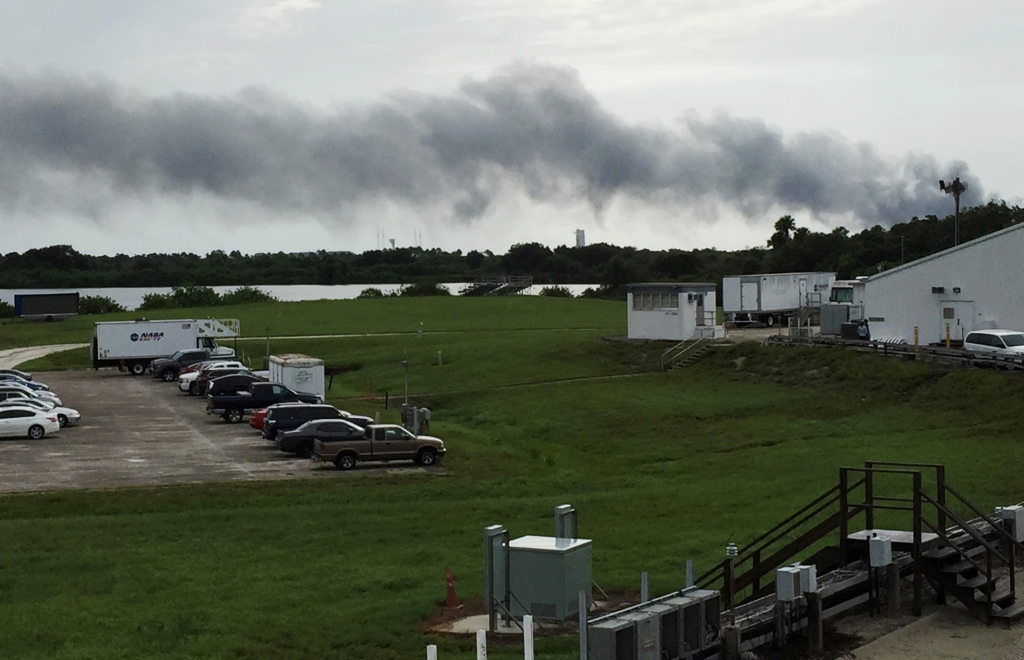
(808,577)
(614,639)
(699,622)
(547,574)
(879,551)
(787,584)
(301,373)
(1015,515)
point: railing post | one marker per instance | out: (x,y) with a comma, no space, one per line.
(989,588)
(940,486)
(757,571)
(844,523)
(869,497)
(918,572)
(728,582)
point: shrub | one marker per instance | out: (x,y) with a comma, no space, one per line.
(246,294)
(425,289)
(157,301)
(370,292)
(99,305)
(194,296)
(6,310)
(556,292)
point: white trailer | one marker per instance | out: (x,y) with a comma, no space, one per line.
(771,298)
(301,373)
(132,345)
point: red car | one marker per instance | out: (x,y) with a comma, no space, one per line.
(257,417)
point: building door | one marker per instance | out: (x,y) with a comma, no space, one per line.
(748,297)
(700,309)
(959,316)
(803,291)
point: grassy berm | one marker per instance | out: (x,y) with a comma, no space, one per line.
(661,467)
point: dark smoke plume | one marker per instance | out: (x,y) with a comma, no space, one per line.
(530,126)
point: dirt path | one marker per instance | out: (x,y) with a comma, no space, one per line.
(12,357)
(949,633)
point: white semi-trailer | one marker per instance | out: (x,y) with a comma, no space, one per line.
(771,298)
(132,345)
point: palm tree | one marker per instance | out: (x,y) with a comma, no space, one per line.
(784,226)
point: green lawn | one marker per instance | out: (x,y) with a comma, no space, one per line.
(661,467)
(321,317)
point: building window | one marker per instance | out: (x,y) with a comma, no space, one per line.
(841,296)
(644,302)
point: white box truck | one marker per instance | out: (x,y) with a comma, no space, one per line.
(132,345)
(771,298)
(298,372)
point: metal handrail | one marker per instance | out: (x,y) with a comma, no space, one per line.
(967,527)
(999,528)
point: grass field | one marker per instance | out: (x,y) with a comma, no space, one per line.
(661,467)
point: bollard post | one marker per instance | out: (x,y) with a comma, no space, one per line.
(917,343)
(892,590)
(815,629)
(731,642)
(431,652)
(689,573)
(947,335)
(439,358)
(644,587)
(527,637)
(481,645)
(583,624)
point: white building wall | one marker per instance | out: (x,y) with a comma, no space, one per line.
(989,273)
(671,324)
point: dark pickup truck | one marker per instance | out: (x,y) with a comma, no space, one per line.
(168,368)
(233,407)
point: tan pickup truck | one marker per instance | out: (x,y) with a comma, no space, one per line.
(382,442)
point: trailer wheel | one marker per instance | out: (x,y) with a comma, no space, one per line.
(770,321)
(137,368)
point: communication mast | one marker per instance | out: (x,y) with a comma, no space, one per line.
(954,188)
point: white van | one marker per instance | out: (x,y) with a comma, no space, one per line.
(1005,343)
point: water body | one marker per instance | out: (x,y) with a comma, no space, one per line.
(131,297)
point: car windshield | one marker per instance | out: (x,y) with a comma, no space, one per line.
(1013,340)
(177,355)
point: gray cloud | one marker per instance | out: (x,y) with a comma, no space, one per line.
(530,126)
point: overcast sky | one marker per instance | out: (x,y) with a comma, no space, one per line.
(296,125)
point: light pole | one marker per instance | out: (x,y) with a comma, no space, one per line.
(954,188)
(405,363)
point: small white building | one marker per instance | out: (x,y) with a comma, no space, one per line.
(976,285)
(677,311)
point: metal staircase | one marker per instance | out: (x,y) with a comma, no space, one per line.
(689,351)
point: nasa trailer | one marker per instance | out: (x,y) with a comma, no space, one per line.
(132,345)
(772,298)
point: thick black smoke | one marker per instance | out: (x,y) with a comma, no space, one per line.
(530,126)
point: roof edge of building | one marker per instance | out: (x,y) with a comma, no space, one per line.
(937,255)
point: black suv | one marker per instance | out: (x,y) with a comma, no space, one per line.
(168,368)
(290,416)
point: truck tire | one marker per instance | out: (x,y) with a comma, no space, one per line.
(36,432)
(234,415)
(137,368)
(345,460)
(426,457)
(168,375)
(193,389)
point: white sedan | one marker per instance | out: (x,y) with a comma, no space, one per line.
(21,421)
(12,388)
(65,416)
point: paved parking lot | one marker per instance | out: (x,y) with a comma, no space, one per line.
(141,431)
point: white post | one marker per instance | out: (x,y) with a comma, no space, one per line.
(431,652)
(481,645)
(527,637)
(644,592)
(584,602)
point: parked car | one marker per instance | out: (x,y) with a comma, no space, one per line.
(289,418)
(65,416)
(232,383)
(256,418)
(25,421)
(17,372)
(300,440)
(188,376)
(31,384)
(995,343)
(234,407)
(380,442)
(13,388)
(167,369)
(207,376)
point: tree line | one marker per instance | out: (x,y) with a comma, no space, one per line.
(790,248)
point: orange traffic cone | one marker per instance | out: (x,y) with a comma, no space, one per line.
(452,601)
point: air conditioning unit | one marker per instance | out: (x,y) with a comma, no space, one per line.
(614,639)
(699,614)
